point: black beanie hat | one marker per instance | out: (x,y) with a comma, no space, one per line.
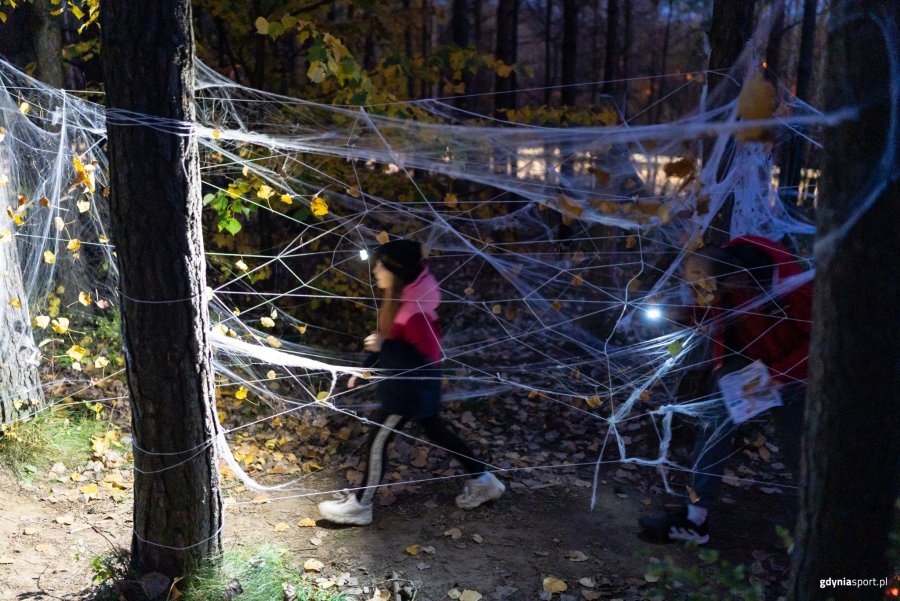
(403,258)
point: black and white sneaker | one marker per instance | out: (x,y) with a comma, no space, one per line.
(675,526)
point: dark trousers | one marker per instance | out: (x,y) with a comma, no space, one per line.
(715,440)
(436,431)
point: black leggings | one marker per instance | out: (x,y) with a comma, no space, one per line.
(436,431)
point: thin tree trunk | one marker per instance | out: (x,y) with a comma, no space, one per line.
(595,53)
(610,74)
(569,52)
(793,162)
(426,46)
(661,82)
(408,47)
(460,28)
(48,45)
(548,51)
(850,477)
(776,37)
(626,55)
(507,48)
(155,209)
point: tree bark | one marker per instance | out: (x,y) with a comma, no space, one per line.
(548,51)
(793,161)
(155,212)
(850,477)
(460,26)
(507,48)
(664,60)
(569,52)
(611,60)
(20,384)
(48,45)
(732,25)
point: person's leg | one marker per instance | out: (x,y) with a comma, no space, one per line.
(357,508)
(439,433)
(379,437)
(712,447)
(483,486)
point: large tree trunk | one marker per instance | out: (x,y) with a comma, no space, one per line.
(793,159)
(569,51)
(507,48)
(155,208)
(850,477)
(20,384)
(48,45)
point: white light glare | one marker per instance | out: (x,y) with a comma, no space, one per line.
(654,313)
(364,255)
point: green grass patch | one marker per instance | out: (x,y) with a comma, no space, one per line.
(261,573)
(33,446)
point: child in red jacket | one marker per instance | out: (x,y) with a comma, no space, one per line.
(750,319)
(407,348)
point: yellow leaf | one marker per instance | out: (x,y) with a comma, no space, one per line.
(84,298)
(273,342)
(76,477)
(61,325)
(271,374)
(307,523)
(382,237)
(322,395)
(267,322)
(241,393)
(318,206)
(216,134)
(281,527)
(101,362)
(265,192)
(608,116)
(496,309)
(59,223)
(286,199)
(4,179)
(42,321)
(353,191)
(74,244)
(594,402)
(413,550)
(83,206)
(90,490)
(757,100)
(469,595)
(5,236)
(24,108)
(451,199)
(300,328)
(76,353)
(15,303)
(552,584)
(313,565)
(262,25)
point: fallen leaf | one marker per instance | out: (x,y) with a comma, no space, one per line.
(587,582)
(477,538)
(454,593)
(42,321)
(468,595)
(306,523)
(313,565)
(383,237)
(576,556)
(241,393)
(286,199)
(241,265)
(451,199)
(590,595)
(73,244)
(413,550)
(61,325)
(453,533)
(552,584)
(282,527)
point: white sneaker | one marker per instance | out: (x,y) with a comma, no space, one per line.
(480,490)
(347,511)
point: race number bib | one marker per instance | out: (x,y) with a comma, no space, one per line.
(748,392)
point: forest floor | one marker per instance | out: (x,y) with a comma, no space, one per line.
(56,521)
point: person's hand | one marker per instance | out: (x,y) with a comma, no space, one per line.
(351,383)
(373,342)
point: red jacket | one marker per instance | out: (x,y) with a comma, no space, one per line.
(776,332)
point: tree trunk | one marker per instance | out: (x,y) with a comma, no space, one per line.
(426,42)
(507,48)
(664,60)
(793,160)
(626,52)
(48,45)
(611,60)
(20,384)
(548,51)
(155,211)
(569,51)
(850,476)
(776,36)
(460,28)
(732,26)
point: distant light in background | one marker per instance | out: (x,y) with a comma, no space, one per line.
(364,255)
(654,313)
